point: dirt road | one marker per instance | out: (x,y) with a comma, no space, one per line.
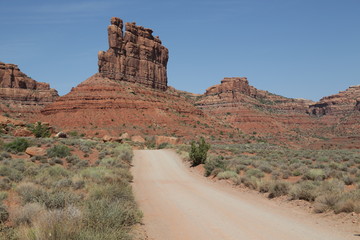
(179,205)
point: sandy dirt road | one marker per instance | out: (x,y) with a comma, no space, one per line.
(179,205)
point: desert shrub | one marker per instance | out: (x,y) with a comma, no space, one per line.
(39,130)
(198,152)
(26,213)
(124,152)
(11,173)
(253,172)
(54,225)
(30,192)
(73,159)
(5,183)
(216,171)
(278,188)
(5,155)
(264,186)
(314,175)
(78,184)
(349,202)
(266,168)
(227,175)
(112,192)
(213,162)
(73,134)
(3,196)
(63,183)
(348,180)
(58,151)
(82,164)
(59,199)
(163,145)
(306,190)
(18,145)
(326,202)
(250,182)
(4,214)
(150,142)
(103,214)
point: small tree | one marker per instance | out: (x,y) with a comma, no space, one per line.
(16,146)
(40,131)
(198,151)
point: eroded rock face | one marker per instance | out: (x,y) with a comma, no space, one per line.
(134,56)
(100,106)
(253,110)
(344,102)
(21,94)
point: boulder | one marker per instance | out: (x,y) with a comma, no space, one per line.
(108,138)
(22,132)
(61,135)
(138,139)
(125,136)
(164,139)
(35,151)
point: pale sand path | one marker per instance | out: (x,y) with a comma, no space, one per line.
(178,205)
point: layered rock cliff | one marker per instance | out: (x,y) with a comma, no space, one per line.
(253,110)
(134,56)
(344,102)
(130,93)
(101,106)
(21,94)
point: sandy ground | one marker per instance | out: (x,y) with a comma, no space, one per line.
(178,204)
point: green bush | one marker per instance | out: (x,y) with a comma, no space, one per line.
(58,151)
(198,152)
(253,172)
(213,162)
(163,145)
(314,174)
(40,131)
(18,145)
(306,190)
(4,214)
(227,175)
(278,188)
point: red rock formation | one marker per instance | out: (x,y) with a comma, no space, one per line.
(340,110)
(135,56)
(342,103)
(21,94)
(100,106)
(253,110)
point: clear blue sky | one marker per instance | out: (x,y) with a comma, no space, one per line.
(295,48)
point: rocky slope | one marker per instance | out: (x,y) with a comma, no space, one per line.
(101,106)
(21,94)
(253,110)
(332,121)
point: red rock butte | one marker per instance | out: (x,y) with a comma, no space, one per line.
(22,94)
(135,56)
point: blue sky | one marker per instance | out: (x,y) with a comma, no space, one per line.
(295,48)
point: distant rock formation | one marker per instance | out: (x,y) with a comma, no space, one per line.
(135,56)
(344,102)
(21,94)
(252,110)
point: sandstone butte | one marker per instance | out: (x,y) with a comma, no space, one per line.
(130,93)
(284,119)
(20,94)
